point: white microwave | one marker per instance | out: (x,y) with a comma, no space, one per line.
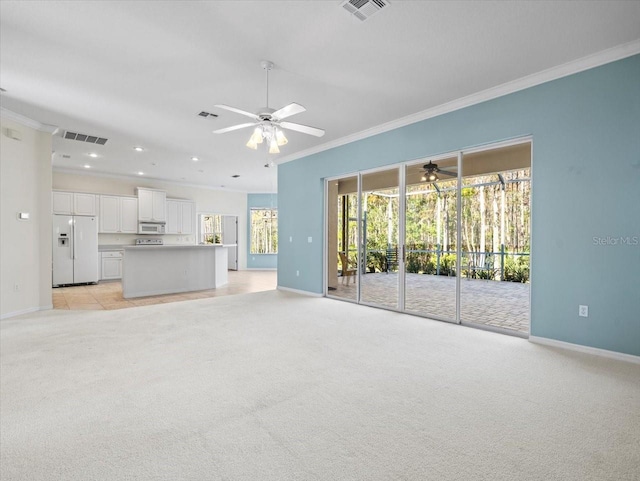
(148,228)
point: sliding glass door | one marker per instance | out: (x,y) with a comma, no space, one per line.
(379,242)
(431,233)
(445,238)
(342,238)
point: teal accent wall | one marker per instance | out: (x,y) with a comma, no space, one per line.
(586,194)
(260,261)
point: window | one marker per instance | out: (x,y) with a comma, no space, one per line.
(264,231)
(210,229)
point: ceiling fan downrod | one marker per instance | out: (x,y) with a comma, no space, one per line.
(267,65)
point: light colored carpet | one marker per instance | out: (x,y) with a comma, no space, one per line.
(276,386)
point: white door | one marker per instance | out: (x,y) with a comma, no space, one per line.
(85,249)
(129,215)
(109,213)
(230,239)
(62,250)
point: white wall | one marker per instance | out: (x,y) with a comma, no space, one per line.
(25,246)
(207,200)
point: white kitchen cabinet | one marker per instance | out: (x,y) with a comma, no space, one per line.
(111,267)
(173,206)
(109,218)
(187,221)
(129,215)
(73,203)
(62,203)
(151,205)
(84,204)
(180,217)
(118,214)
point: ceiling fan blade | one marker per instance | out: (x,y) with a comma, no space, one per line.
(238,111)
(305,129)
(452,174)
(234,127)
(288,110)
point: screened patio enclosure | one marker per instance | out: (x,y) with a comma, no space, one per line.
(455,248)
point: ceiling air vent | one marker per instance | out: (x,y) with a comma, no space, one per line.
(205,115)
(363,9)
(92,139)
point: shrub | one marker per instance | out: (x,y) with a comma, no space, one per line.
(516,270)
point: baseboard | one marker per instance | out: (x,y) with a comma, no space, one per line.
(25,311)
(298,291)
(620,356)
(261,269)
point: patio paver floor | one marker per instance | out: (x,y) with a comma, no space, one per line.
(493,303)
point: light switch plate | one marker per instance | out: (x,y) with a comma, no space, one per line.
(583,311)
(309,239)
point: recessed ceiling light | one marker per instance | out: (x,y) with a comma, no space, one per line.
(93,154)
(138,149)
(195,159)
(140,173)
(87,166)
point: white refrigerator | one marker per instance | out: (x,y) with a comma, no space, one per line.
(75,249)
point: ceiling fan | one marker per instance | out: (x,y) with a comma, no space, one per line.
(432,170)
(268,122)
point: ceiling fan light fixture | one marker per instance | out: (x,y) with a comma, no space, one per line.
(433,176)
(273,146)
(280,138)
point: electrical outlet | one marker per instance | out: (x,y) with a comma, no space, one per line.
(309,239)
(583,311)
(16,287)
(290,238)
(297,273)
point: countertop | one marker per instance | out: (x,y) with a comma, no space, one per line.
(173,246)
(110,247)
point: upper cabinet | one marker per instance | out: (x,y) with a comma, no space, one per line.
(74,203)
(118,214)
(151,205)
(180,217)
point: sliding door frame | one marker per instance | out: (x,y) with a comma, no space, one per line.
(402,166)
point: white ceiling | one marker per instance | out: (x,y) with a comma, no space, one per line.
(139,72)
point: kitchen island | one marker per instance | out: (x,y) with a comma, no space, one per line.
(168,269)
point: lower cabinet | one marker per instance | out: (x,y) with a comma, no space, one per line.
(111,265)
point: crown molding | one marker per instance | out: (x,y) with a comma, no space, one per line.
(575,66)
(27,122)
(87,173)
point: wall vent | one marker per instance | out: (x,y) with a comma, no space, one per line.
(364,9)
(92,139)
(205,115)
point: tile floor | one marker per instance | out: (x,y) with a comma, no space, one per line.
(108,295)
